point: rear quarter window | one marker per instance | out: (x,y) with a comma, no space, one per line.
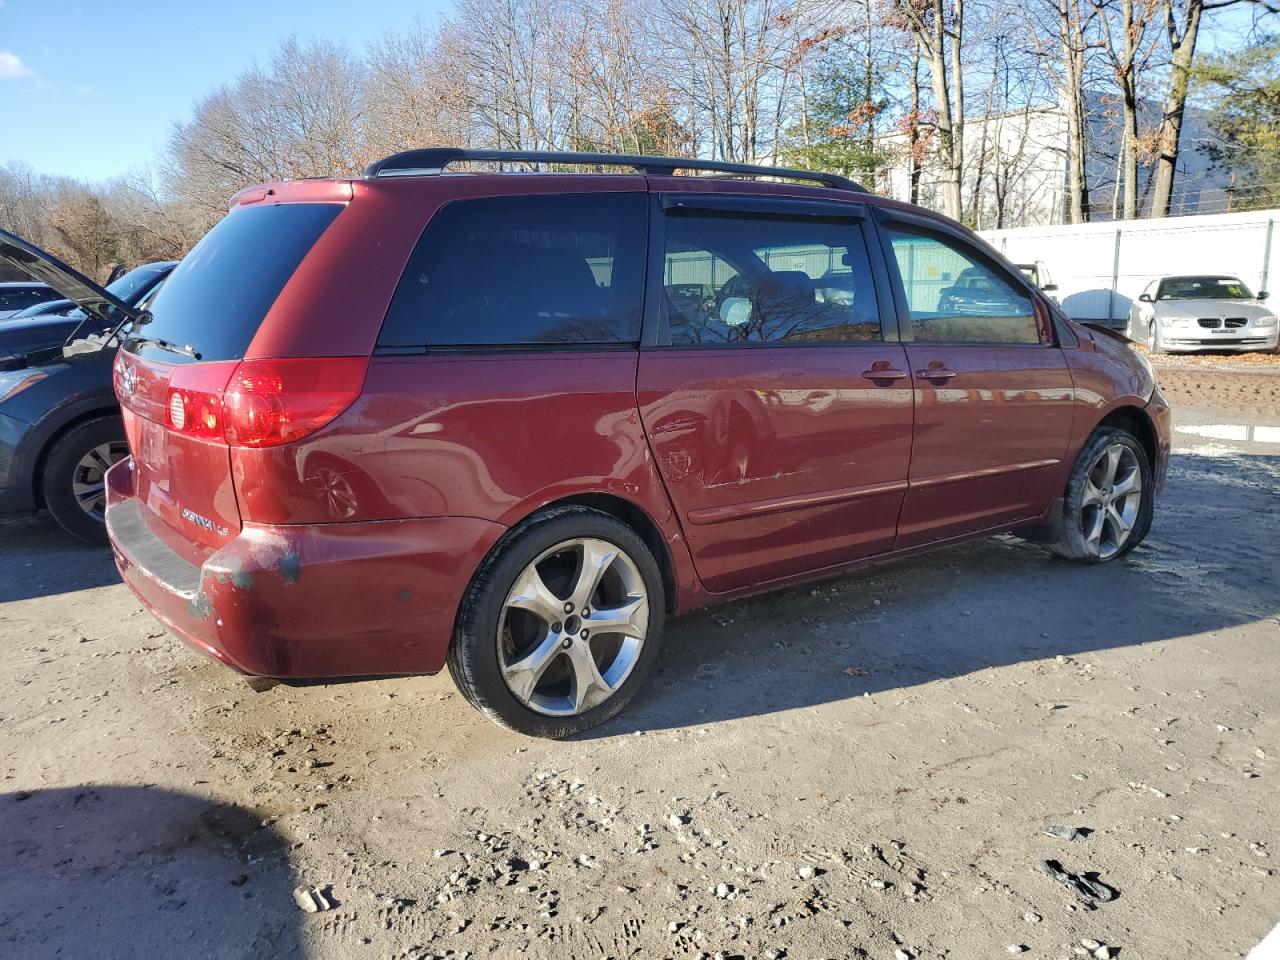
(216,298)
(554,269)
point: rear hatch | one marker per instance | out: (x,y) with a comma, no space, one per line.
(188,392)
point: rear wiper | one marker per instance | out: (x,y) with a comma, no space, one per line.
(178,348)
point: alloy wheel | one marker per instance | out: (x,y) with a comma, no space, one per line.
(1111,500)
(572,627)
(88,479)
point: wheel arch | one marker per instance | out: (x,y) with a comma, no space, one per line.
(632,514)
(1136,422)
(639,520)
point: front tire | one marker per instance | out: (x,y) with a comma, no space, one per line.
(561,624)
(1155,344)
(1107,506)
(73,480)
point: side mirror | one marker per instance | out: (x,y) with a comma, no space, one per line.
(1145,298)
(1050,288)
(735,311)
(1262,294)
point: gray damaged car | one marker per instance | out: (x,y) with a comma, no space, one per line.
(1178,314)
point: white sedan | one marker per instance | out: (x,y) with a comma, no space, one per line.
(1202,313)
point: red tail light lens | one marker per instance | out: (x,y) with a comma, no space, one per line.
(269,402)
(262,403)
(195,398)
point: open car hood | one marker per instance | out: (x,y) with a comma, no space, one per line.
(70,283)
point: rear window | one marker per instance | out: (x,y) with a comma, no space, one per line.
(216,297)
(510,271)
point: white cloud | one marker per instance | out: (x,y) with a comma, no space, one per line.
(11,66)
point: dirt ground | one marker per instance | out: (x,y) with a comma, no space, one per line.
(865,768)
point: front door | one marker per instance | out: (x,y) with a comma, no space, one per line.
(993,395)
(777,409)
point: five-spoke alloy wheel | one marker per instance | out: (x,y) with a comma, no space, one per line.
(561,624)
(573,627)
(1112,496)
(1106,510)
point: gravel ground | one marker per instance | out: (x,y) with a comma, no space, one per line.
(865,768)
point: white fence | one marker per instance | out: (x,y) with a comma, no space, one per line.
(1100,268)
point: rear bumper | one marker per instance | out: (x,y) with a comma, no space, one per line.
(306,601)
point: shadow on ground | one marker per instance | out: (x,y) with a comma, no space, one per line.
(40,559)
(139,872)
(1209,564)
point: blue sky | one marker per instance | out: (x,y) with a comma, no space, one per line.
(91,88)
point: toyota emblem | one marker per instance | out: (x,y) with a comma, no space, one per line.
(129,380)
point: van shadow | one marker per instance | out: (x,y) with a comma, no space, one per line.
(1094,306)
(65,563)
(140,872)
(984,604)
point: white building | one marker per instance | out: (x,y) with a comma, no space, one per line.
(1016,168)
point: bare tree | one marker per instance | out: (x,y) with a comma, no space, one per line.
(1182,19)
(728,62)
(1057,31)
(938,29)
(301,117)
(409,101)
(1127,41)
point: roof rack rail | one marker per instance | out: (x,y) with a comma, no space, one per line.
(432,161)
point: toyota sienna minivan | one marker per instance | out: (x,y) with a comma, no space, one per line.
(509,422)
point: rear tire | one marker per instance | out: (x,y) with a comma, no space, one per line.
(72,481)
(531,653)
(1107,506)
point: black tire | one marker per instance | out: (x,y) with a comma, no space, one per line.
(1071,541)
(474,660)
(62,469)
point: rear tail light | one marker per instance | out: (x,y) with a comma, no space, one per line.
(269,402)
(262,403)
(195,398)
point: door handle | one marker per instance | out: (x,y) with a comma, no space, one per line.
(935,373)
(887,374)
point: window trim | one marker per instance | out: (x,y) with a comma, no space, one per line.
(656,334)
(964,241)
(748,206)
(430,349)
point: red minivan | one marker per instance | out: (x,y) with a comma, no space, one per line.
(511,421)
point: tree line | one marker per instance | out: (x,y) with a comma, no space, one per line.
(855,86)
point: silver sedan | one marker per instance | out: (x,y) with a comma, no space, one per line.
(1178,314)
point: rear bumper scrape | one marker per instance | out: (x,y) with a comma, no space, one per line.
(306,601)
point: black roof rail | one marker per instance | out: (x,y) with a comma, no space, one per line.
(433,160)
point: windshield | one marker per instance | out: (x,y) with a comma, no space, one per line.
(135,281)
(1203,288)
(129,288)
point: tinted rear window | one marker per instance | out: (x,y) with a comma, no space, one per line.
(556,269)
(216,297)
